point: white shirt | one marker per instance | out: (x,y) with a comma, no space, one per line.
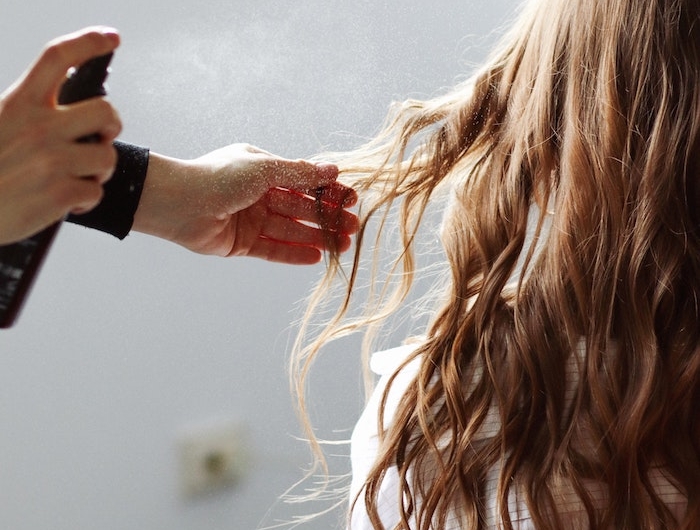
(365,446)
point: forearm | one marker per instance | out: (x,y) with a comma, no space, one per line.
(237,200)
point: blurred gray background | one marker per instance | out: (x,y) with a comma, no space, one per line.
(123,346)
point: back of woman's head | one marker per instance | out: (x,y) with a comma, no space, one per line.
(588,116)
(592,112)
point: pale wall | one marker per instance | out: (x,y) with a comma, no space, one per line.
(123,344)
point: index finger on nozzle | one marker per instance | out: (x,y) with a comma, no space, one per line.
(49,71)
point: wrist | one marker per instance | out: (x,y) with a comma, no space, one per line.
(158,207)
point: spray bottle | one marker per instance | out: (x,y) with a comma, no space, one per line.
(20,262)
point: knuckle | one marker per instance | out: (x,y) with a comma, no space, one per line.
(103,159)
(111,156)
(96,194)
(47,163)
(249,148)
(62,195)
(72,194)
(116,117)
(11,102)
(112,115)
(107,115)
(106,162)
(55,52)
(104,108)
(39,136)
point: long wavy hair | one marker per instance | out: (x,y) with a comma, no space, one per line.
(588,113)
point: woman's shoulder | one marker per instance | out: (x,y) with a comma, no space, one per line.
(387,362)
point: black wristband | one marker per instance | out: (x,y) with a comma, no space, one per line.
(122,192)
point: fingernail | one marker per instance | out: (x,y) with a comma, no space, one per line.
(349,199)
(109,30)
(111,33)
(344,243)
(328,170)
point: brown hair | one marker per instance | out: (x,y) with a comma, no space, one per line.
(590,112)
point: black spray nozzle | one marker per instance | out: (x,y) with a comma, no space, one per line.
(86,81)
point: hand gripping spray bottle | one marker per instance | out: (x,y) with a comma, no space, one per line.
(20,262)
